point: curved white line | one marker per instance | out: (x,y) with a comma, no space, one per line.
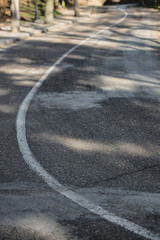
(51,181)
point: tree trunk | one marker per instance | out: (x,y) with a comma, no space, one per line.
(36,10)
(76,8)
(15,25)
(4,7)
(49,11)
(63,3)
(56,4)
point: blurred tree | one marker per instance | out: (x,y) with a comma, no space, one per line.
(49,11)
(62,2)
(28,3)
(149,3)
(15,24)
(76,8)
(4,7)
(36,10)
(56,4)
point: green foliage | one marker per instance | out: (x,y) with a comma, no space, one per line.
(27,9)
(150,3)
(55,13)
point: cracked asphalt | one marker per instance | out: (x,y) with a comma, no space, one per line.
(94,125)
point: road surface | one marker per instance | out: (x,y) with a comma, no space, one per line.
(80,130)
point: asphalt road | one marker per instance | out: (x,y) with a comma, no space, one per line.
(93,125)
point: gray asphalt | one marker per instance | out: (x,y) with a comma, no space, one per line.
(94,125)
(93,145)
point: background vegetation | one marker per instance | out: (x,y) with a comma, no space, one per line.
(27,9)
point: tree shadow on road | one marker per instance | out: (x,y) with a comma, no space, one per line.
(125,128)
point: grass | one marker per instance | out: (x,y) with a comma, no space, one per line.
(154,7)
(157,7)
(149,6)
(27,11)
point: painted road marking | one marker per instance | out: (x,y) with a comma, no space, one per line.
(51,181)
